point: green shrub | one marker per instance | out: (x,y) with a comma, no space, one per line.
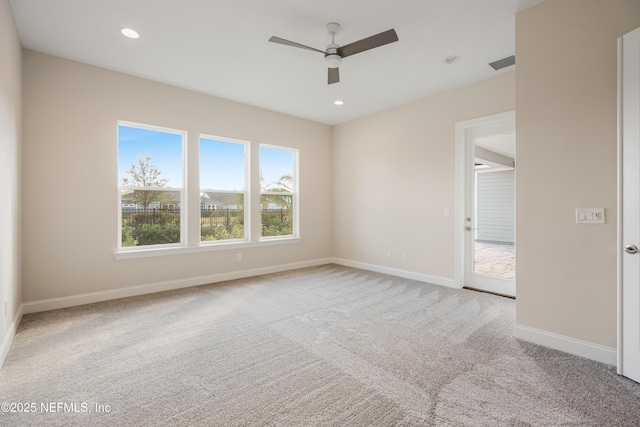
(127,237)
(222,232)
(276,223)
(155,234)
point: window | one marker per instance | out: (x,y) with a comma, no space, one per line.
(278,189)
(223,177)
(151,189)
(153,197)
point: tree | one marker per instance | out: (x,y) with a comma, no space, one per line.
(283,185)
(144,173)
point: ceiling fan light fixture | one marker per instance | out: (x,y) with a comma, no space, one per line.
(333,60)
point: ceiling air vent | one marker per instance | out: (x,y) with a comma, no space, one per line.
(504,62)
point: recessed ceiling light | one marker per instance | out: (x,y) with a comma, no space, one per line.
(128,32)
(451,59)
(338,102)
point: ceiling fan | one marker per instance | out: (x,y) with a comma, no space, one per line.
(334,53)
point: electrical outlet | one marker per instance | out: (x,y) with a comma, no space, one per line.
(403,256)
(238,257)
(388,253)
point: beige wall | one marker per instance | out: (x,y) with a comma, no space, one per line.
(70,177)
(394,176)
(10,148)
(566,126)
(10,151)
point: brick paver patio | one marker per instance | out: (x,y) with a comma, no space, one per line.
(495,259)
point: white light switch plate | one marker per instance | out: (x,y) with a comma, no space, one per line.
(590,216)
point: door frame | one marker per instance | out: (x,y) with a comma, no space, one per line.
(462,129)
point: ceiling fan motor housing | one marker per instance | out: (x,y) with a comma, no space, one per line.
(331,58)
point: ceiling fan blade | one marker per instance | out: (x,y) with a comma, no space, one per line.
(275,39)
(380,39)
(334,75)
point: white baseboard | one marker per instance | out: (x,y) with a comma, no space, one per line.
(570,345)
(436,280)
(92,297)
(11,333)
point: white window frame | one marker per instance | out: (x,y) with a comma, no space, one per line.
(182,190)
(245,193)
(252,231)
(294,195)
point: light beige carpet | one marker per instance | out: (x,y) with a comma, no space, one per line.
(325,346)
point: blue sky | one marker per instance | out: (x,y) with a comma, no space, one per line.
(164,148)
(221,165)
(274,163)
(221,162)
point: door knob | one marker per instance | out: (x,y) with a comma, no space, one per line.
(631,249)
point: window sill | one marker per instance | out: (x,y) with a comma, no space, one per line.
(205,247)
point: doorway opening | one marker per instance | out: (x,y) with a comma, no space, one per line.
(494,239)
(486,195)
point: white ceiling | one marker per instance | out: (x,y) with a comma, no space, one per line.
(503,144)
(220,47)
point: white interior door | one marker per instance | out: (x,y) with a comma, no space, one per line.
(629,201)
(489,206)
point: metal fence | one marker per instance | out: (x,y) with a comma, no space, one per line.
(208,217)
(281,216)
(137,217)
(221,217)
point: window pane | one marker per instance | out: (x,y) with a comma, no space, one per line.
(149,158)
(221,165)
(150,217)
(276,170)
(277,177)
(276,214)
(221,216)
